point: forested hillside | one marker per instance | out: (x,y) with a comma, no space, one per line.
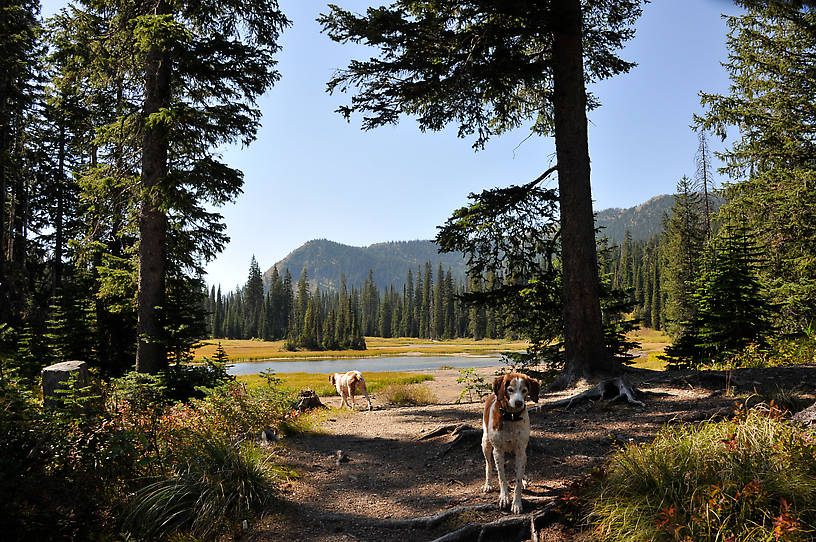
(326,261)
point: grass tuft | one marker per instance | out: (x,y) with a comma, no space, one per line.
(751,478)
(218,486)
(408,395)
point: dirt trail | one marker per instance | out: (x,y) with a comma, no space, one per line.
(392,475)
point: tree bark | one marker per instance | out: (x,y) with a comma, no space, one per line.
(59,228)
(5,303)
(150,351)
(583,342)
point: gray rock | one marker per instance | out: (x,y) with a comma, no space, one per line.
(57,376)
(807,416)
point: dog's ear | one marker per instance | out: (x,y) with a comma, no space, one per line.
(535,388)
(498,386)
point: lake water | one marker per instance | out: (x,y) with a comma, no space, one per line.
(386,363)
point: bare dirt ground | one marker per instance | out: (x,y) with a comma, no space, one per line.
(391,475)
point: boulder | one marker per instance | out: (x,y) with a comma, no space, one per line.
(57,376)
(807,416)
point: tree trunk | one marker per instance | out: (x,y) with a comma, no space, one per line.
(583,342)
(58,226)
(150,351)
(5,298)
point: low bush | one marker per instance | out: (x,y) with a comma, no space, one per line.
(408,395)
(138,450)
(751,478)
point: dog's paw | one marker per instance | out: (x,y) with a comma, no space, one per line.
(487,488)
(516,508)
(504,501)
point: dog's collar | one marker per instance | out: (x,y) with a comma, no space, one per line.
(511,416)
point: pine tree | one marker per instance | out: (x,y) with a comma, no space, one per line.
(470,63)
(732,308)
(684,246)
(176,110)
(771,104)
(254,312)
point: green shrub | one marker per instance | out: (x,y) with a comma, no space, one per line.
(752,478)
(474,384)
(408,395)
(218,485)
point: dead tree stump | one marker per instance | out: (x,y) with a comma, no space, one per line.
(308,400)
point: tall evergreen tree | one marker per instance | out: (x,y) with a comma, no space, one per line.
(684,245)
(772,104)
(469,62)
(254,301)
(183,101)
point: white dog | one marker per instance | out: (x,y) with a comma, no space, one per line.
(506,428)
(347,384)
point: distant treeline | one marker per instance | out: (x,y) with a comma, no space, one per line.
(428,306)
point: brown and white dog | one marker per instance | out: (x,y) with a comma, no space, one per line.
(506,428)
(347,384)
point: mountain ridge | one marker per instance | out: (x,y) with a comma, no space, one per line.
(325,261)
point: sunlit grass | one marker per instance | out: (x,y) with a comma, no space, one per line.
(751,478)
(652,343)
(319,382)
(408,395)
(249,350)
(650,362)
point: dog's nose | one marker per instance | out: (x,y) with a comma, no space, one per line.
(516,403)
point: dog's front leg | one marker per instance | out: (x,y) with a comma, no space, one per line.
(521,465)
(504,497)
(487,450)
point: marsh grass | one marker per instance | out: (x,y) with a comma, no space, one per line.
(251,350)
(408,395)
(751,478)
(319,382)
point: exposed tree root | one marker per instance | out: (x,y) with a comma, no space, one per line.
(521,527)
(452,428)
(465,435)
(429,522)
(615,389)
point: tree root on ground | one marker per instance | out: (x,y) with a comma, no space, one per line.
(521,527)
(615,389)
(452,428)
(465,434)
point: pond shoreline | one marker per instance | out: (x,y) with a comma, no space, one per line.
(375,363)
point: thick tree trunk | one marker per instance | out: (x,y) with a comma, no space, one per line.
(150,351)
(583,342)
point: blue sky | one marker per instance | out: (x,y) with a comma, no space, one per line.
(310,174)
